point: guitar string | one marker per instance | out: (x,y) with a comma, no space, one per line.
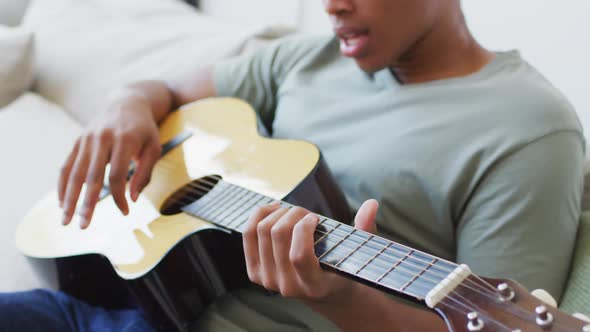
(523,314)
(389,249)
(467,312)
(417,259)
(454,295)
(195,188)
(423,276)
(514,310)
(480,311)
(435,282)
(518,312)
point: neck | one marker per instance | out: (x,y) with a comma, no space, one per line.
(447,50)
(339,247)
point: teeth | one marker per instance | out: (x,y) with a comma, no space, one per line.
(352,41)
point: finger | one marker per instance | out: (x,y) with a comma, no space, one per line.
(94,181)
(365,217)
(282,234)
(250,240)
(65,173)
(265,250)
(302,253)
(120,160)
(76,180)
(147,159)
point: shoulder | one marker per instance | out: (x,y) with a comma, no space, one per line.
(299,50)
(529,102)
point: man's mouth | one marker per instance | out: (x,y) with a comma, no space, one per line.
(353,42)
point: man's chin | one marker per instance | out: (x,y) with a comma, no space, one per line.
(370,66)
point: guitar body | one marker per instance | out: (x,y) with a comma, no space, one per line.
(172,263)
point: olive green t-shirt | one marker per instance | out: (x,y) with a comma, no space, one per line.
(485,169)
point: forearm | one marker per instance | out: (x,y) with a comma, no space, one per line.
(142,96)
(367,309)
(162,97)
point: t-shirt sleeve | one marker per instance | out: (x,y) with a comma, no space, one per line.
(521,222)
(256,77)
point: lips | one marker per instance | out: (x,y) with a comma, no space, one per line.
(353,41)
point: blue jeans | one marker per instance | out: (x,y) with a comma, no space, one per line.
(47,311)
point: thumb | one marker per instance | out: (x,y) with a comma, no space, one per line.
(365,217)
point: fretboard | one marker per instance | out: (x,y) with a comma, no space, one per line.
(356,253)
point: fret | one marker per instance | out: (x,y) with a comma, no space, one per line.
(339,242)
(229,205)
(203,202)
(397,256)
(433,271)
(340,246)
(373,258)
(220,203)
(353,251)
(210,200)
(325,233)
(249,204)
(237,206)
(245,216)
(255,200)
(418,275)
(394,266)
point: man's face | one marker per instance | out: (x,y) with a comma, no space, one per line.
(378,33)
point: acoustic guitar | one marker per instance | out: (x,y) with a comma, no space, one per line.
(180,246)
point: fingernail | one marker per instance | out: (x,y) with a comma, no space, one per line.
(274,204)
(313,218)
(64,220)
(83,223)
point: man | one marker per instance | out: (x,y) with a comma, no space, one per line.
(472,155)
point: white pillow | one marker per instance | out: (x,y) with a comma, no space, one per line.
(36,138)
(86,49)
(16,63)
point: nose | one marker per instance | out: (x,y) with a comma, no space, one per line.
(338,7)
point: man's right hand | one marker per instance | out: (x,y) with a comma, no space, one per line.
(126,132)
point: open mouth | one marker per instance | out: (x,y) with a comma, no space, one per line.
(353,43)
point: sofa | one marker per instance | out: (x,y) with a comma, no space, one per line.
(80,51)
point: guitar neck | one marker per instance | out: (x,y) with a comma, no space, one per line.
(349,251)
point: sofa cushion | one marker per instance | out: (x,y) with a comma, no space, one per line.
(37,136)
(86,49)
(16,63)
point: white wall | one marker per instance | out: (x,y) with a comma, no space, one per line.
(255,11)
(551,35)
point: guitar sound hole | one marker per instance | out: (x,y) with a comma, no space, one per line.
(188,194)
